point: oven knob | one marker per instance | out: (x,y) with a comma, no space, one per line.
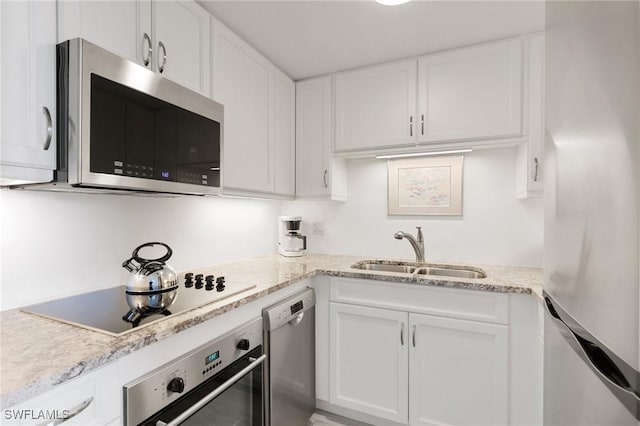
(244,344)
(176,385)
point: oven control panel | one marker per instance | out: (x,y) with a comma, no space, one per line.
(158,388)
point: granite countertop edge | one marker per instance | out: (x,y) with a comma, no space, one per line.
(115,347)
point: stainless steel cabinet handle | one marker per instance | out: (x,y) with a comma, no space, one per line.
(402,334)
(414,336)
(147,60)
(72,413)
(422,124)
(536,167)
(47,140)
(255,362)
(164,56)
(411,125)
(324,179)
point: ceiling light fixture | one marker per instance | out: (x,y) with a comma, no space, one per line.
(392,2)
(423,154)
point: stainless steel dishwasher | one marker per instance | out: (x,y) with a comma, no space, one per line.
(290,345)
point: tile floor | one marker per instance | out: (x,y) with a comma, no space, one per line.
(322,418)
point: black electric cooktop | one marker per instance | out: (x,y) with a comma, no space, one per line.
(102,310)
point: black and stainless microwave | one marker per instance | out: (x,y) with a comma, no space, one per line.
(124,127)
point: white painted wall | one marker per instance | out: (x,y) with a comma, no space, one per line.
(57,244)
(495,228)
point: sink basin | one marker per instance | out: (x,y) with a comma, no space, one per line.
(454,271)
(405,269)
(446,272)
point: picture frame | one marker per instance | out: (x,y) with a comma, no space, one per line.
(430,186)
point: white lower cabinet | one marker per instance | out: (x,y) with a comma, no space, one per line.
(457,372)
(91,400)
(411,354)
(368,366)
(420,369)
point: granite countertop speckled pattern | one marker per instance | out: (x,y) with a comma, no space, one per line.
(25,337)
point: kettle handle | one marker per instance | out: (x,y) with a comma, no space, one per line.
(142,260)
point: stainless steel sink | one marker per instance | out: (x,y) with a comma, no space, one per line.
(405,269)
(415,268)
(446,272)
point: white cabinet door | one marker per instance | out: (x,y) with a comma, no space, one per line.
(531,154)
(458,372)
(241,84)
(314,125)
(94,399)
(318,175)
(284,124)
(375,107)
(168,36)
(28,88)
(368,366)
(117,26)
(471,93)
(182,37)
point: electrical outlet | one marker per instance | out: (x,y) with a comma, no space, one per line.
(317,228)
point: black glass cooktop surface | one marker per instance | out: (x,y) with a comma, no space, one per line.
(102,310)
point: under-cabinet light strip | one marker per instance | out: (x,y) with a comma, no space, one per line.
(423,154)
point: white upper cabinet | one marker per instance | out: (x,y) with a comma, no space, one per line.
(318,174)
(118,26)
(375,107)
(471,93)
(531,154)
(170,37)
(28,89)
(284,128)
(241,84)
(182,43)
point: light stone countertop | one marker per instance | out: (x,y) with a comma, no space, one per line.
(72,351)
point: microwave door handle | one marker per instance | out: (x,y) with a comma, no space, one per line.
(255,362)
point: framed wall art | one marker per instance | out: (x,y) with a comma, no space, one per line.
(425,186)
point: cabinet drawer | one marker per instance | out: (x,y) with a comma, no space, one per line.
(90,400)
(445,302)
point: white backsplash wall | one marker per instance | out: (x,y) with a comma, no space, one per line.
(496,228)
(56,244)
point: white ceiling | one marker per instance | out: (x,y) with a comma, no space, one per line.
(310,38)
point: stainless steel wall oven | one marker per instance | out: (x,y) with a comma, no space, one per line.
(217,384)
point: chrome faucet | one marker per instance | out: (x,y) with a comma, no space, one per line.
(417,244)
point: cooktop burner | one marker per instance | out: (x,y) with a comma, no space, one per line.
(103,310)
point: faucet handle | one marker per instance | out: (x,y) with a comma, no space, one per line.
(419,234)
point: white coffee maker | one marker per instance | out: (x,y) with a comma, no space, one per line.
(290,242)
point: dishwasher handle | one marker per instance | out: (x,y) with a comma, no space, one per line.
(255,362)
(297,320)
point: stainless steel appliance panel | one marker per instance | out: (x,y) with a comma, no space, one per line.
(222,377)
(576,396)
(290,347)
(592,219)
(593,169)
(124,127)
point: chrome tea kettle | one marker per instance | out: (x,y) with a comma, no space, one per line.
(152,285)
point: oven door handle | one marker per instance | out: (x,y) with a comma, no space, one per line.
(223,387)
